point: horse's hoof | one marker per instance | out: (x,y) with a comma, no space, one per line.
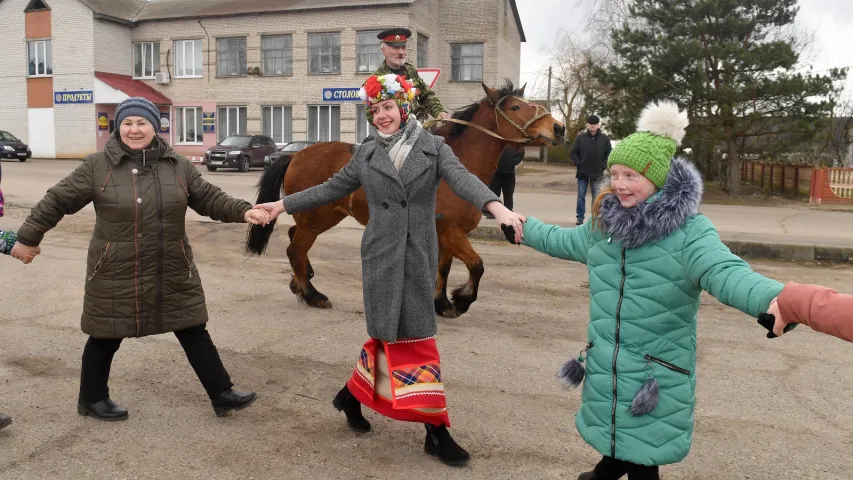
(318,300)
(461,301)
(444,308)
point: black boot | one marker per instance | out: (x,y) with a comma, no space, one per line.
(5,420)
(587,476)
(105,410)
(440,444)
(345,402)
(231,400)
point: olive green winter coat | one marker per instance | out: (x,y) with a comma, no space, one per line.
(140,275)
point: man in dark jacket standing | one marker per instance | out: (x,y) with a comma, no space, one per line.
(504,177)
(589,154)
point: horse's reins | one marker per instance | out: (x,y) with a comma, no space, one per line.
(540,113)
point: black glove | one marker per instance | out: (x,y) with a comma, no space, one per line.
(767,320)
(509,232)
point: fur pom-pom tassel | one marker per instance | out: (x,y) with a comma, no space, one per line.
(647,398)
(664,119)
(572,373)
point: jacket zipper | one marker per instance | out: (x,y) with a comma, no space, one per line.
(189,265)
(160,247)
(666,364)
(615,355)
(102,259)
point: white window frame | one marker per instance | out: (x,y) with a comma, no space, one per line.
(368,128)
(317,69)
(223,131)
(41,48)
(423,51)
(182,111)
(367,49)
(286,136)
(331,136)
(182,44)
(462,64)
(154,59)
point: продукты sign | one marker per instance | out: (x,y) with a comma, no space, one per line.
(83,96)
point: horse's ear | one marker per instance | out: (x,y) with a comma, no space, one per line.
(491,93)
(521,90)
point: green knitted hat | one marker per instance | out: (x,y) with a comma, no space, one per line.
(660,129)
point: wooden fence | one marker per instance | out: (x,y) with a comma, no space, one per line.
(788,180)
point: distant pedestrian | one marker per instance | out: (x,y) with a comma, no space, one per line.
(504,178)
(589,154)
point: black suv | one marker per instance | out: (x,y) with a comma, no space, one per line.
(288,150)
(11,147)
(239,151)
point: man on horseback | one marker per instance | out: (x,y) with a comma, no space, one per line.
(394,50)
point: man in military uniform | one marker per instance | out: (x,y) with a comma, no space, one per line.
(394,50)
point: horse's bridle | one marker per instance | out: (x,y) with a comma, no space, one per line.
(528,139)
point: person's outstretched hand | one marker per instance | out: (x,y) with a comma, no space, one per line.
(256,216)
(24,253)
(773,321)
(274,209)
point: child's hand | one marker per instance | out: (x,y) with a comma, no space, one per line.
(773,321)
(24,253)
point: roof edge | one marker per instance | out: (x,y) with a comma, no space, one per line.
(138,17)
(518,20)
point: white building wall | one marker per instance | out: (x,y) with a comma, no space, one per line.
(112,48)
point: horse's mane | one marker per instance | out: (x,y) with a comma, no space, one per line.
(467,112)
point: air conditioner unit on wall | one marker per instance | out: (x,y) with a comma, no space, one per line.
(161,77)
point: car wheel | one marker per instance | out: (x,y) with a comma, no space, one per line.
(244,164)
(211,169)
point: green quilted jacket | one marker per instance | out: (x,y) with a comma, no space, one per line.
(647,268)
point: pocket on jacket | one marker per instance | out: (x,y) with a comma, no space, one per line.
(102,260)
(665,364)
(187,258)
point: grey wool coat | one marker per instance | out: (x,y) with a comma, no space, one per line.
(399,248)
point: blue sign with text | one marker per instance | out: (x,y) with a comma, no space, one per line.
(82,96)
(341,94)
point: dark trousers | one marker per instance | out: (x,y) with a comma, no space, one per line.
(504,182)
(610,468)
(583,185)
(200,350)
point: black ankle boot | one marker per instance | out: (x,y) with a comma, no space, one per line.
(5,420)
(345,402)
(105,410)
(231,400)
(440,444)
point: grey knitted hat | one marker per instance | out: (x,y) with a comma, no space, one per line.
(138,107)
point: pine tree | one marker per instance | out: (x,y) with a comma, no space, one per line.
(733,64)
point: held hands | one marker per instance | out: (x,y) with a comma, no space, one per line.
(271,209)
(444,116)
(257,217)
(773,321)
(508,220)
(24,253)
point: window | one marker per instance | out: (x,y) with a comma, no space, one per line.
(188,58)
(188,125)
(324,123)
(40,58)
(423,48)
(232,121)
(277,55)
(467,62)
(363,128)
(324,53)
(146,59)
(368,54)
(36,5)
(277,122)
(230,57)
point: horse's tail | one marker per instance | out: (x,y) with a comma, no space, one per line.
(270,189)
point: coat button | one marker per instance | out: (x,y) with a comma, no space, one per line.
(403,204)
(385,205)
(138,235)
(139,200)
(134,171)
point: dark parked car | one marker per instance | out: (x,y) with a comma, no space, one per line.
(239,151)
(11,147)
(288,150)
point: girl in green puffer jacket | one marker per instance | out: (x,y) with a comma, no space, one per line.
(650,254)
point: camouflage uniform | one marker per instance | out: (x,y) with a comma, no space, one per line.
(426,98)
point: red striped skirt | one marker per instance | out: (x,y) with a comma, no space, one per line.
(401,380)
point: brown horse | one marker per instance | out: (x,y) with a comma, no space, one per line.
(502,117)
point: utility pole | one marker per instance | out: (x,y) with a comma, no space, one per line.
(543,150)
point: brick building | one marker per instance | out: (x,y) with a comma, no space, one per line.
(218,67)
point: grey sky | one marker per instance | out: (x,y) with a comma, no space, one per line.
(543,19)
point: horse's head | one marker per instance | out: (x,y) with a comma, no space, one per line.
(518,118)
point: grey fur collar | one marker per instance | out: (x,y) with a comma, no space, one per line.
(651,221)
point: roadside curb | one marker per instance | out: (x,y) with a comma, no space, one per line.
(746,249)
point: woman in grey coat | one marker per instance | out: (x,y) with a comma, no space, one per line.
(398,373)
